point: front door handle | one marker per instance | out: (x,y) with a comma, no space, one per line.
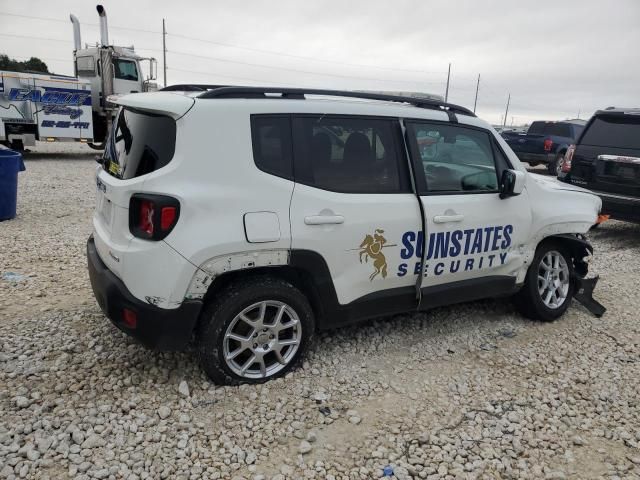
(448,218)
(323,219)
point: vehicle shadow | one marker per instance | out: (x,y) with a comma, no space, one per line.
(618,235)
(60,155)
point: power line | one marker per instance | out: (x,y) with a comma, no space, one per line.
(218,59)
(32,17)
(234,77)
(240,47)
(35,38)
(283,54)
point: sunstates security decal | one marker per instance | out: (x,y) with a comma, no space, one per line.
(455,251)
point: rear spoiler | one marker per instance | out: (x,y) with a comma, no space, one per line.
(161,103)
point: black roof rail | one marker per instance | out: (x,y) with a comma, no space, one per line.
(213,91)
(190,87)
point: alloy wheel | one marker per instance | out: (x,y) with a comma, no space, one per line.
(553,279)
(262,339)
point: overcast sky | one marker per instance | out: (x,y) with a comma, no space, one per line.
(556,58)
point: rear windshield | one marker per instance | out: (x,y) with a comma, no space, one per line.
(140,143)
(622,131)
(551,128)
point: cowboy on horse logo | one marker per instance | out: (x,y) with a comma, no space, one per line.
(371,247)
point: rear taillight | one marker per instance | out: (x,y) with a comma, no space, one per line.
(568,157)
(548,143)
(152,217)
(145,220)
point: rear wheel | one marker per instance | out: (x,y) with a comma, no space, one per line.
(254,331)
(17,145)
(549,285)
(555,167)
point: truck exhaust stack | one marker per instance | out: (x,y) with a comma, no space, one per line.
(77,43)
(104,31)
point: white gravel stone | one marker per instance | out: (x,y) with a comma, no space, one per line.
(93,441)
(183,388)
(164,412)
(305,447)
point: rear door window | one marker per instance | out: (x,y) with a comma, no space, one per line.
(349,154)
(622,131)
(140,143)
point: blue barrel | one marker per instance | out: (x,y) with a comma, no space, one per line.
(10,164)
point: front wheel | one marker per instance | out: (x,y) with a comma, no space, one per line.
(254,330)
(549,286)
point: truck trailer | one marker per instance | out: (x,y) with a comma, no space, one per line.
(49,107)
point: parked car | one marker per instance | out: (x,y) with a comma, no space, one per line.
(245,219)
(606,159)
(545,142)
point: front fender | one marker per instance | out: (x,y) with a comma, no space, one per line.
(580,249)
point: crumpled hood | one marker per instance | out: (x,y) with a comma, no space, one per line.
(555,184)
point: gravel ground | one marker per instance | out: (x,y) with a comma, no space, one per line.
(471,391)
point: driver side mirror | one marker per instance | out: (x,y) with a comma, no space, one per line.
(511,183)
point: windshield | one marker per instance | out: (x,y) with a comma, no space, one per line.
(125,69)
(140,143)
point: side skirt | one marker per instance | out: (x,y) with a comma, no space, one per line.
(467,291)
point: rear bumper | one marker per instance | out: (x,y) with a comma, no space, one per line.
(156,328)
(620,207)
(536,157)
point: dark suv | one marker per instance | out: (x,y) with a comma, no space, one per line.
(606,159)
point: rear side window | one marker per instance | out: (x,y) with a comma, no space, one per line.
(349,154)
(272,150)
(622,131)
(140,143)
(86,67)
(551,128)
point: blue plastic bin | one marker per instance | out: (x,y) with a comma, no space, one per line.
(10,164)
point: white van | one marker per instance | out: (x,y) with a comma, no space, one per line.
(244,219)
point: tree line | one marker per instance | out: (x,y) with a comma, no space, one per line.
(34,64)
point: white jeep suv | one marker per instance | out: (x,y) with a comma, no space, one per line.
(244,219)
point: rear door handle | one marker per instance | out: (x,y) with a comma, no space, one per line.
(448,218)
(323,219)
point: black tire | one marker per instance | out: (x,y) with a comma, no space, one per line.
(96,146)
(17,145)
(218,315)
(529,300)
(554,167)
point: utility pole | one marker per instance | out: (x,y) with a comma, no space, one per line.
(446,94)
(164,51)
(504,122)
(475,102)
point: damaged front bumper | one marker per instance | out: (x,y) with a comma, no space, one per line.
(584,295)
(581,250)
